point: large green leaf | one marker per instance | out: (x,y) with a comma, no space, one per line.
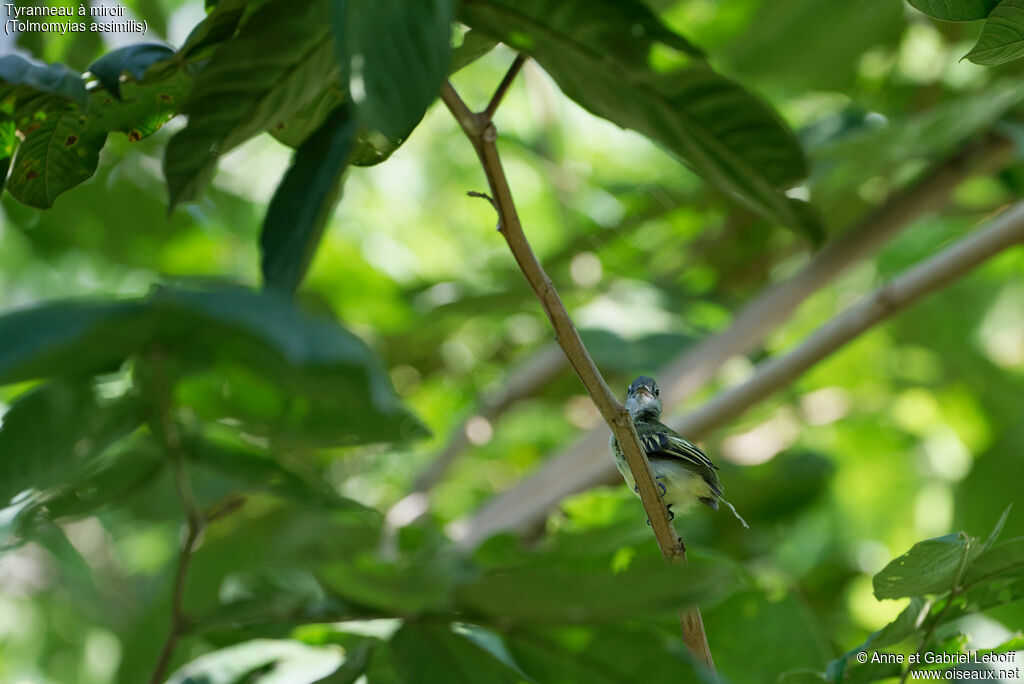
(303,202)
(1000,561)
(429,653)
(324,384)
(929,567)
(1002,36)
(955,10)
(58,153)
(26,87)
(396,54)
(133,59)
(51,432)
(906,624)
(619,654)
(282,57)
(238,461)
(144,106)
(219,25)
(474,45)
(405,587)
(265,661)
(618,61)
(70,338)
(554,592)
(320,383)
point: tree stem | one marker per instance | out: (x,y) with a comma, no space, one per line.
(480,130)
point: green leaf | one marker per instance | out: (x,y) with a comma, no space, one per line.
(396,54)
(408,586)
(321,383)
(219,25)
(239,461)
(428,653)
(57,154)
(295,129)
(262,661)
(70,338)
(133,59)
(652,81)
(474,45)
(998,529)
(304,201)
(550,592)
(929,567)
(1002,36)
(234,99)
(33,454)
(259,359)
(904,626)
(124,468)
(144,106)
(955,10)
(1000,561)
(26,88)
(615,654)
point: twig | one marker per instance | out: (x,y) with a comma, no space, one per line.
(480,131)
(578,468)
(506,82)
(953,593)
(164,429)
(195,521)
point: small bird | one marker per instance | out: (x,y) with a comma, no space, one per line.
(683,473)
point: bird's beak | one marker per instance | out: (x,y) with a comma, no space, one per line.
(642,389)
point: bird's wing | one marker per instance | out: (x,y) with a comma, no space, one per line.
(673,446)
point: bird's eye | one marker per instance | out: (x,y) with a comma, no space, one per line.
(657,391)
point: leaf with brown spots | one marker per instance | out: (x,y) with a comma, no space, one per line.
(59,153)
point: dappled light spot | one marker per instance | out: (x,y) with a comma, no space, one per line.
(665,59)
(585,269)
(762,443)
(479,430)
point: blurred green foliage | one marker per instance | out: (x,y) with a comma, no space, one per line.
(127,344)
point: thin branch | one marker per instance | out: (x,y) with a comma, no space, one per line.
(164,429)
(506,83)
(580,467)
(179,622)
(482,134)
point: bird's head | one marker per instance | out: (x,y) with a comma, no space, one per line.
(642,398)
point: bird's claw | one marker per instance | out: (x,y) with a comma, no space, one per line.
(661,485)
(671,515)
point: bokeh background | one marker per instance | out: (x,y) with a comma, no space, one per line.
(913,430)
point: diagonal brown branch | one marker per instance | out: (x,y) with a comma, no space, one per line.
(482,134)
(577,468)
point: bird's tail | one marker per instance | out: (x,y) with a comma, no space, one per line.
(735,512)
